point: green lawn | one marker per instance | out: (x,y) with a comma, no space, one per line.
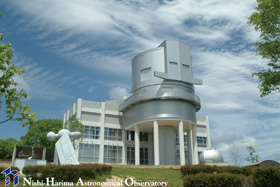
(173,176)
(140,174)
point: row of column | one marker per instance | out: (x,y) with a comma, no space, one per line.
(191,142)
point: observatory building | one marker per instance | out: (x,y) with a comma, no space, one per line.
(155,125)
(212,157)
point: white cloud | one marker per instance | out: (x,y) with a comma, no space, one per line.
(117,93)
(128,27)
(241,143)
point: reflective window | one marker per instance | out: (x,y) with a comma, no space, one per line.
(144,156)
(144,160)
(177,139)
(112,154)
(199,153)
(88,153)
(113,134)
(143,136)
(130,135)
(130,155)
(178,156)
(201,141)
(91,132)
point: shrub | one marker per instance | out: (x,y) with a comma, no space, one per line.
(212,180)
(192,170)
(235,170)
(247,181)
(267,176)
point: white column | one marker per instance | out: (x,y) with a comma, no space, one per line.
(181,144)
(74,109)
(124,147)
(79,109)
(64,121)
(208,132)
(190,147)
(195,154)
(156,143)
(68,115)
(137,145)
(75,141)
(102,131)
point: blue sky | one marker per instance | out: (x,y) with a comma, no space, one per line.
(82,49)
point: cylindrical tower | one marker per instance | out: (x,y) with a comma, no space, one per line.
(163,97)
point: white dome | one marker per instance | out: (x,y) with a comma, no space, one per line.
(63,131)
(211,156)
(51,136)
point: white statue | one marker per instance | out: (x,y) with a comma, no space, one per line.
(64,151)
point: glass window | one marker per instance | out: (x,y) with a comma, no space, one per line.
(144,160)
(88,153)
(112,154)
(113,134)
(199,153)
(130,155)
(201,141)
(91,132)
(144,156)
(185,140)
(178,156)
(130,135)
(144,136)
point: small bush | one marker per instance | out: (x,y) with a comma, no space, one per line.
(69,173)
(267,176)
(212,180)
(247,181)
(192,170)
(235,170)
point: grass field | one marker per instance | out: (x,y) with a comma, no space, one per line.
(172,175)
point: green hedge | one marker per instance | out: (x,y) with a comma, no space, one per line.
(267,176)
(192,170)
(70,173)
(201,175)
(236,170)
(212,180)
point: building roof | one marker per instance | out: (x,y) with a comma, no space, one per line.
(264,163)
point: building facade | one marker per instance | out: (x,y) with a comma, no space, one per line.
(155,125)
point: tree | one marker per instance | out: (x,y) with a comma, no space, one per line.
(73,124)
(7,148)
(37,135)
(252,158)
(10,96)
(266,19)
(234,154)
